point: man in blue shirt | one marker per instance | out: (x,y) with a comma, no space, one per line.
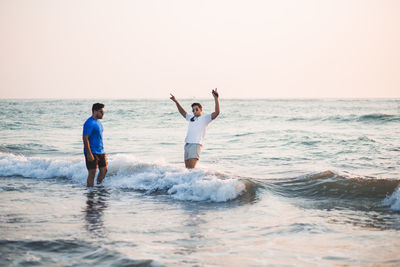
(93,145)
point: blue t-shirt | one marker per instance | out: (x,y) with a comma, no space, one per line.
(94,129)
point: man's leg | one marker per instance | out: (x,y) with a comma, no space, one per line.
(102,168)
(91,167)
(102,174)
(191,163)
(192,155)
(90,178)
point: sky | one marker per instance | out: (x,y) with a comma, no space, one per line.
(246,49)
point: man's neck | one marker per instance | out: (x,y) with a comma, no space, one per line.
(94,117)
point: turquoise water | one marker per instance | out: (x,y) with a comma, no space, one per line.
(280,182)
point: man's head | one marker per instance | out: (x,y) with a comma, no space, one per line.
(197,109)
(98,110)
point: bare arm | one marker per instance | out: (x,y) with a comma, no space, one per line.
(180,108)
(216,99)
(86,144)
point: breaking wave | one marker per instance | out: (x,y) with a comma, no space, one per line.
(126,172)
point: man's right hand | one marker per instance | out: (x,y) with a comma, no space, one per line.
(173,98)
(90,157)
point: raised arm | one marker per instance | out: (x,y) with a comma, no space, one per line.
(216,99)
(180,108)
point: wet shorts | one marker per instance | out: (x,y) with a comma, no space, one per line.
(192,151)
(100,160)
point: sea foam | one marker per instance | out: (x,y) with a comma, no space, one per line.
(125,171)
(393,201)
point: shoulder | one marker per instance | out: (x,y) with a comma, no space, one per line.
(207,117)
(90,122)
(188,116)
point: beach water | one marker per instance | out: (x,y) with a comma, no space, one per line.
(279,182)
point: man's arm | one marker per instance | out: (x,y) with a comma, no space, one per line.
(216,99)
(86,144)
(180,108)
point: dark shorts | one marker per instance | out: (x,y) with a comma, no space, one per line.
(100,160)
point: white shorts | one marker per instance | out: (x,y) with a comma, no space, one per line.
(192,151)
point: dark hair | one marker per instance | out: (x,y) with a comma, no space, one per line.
(197,104)
(97,106)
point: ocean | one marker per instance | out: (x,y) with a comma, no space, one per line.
(280,182)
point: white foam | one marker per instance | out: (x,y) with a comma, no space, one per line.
(36,167)
(393,200)
(126,171)
(197,185)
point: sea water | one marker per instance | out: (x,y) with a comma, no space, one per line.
(279,182)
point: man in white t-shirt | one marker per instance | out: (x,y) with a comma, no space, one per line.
(197,129)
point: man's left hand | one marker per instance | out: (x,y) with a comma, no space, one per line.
(215,93)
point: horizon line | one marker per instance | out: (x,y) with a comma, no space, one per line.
(202,98)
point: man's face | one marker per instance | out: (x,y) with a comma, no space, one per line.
(196,111)
(99,113)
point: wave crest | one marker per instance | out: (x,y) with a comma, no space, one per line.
(328,185)
(378,117)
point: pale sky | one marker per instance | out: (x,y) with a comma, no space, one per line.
(251,49)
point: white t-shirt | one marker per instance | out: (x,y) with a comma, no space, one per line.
(197,128)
